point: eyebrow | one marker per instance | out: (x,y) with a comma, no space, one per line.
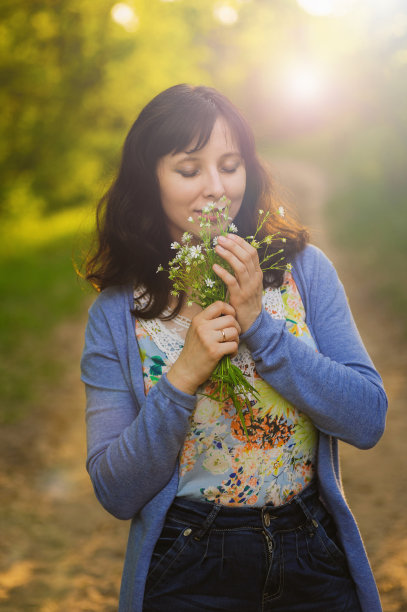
(192,157)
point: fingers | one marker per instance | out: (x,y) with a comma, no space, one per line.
(234,248)
(230,281)
(241,256)
(245,285)
(217,309)
(228,334)
(217,331)
(226,322)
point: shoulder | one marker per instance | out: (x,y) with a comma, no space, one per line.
(316,278)
(112,299)
(312,268)
(312,259)
(111,311)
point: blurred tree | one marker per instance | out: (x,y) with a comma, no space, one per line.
(72,80)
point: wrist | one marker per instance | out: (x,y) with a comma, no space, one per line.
(181,381)
(248,322)
(249,331)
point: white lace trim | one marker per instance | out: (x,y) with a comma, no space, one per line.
(170,342)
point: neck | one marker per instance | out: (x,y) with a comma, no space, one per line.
(186,311)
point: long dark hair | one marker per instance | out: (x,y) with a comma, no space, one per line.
(132,238)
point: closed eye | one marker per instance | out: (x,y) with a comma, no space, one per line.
(187,174)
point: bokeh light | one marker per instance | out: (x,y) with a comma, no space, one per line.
(124,15)
(226,14)
(304,83)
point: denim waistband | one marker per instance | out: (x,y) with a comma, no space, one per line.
(300,509)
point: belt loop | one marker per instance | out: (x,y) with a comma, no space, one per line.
(306,511)
(207,522)
(304,508)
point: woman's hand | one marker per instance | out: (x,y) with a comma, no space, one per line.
(246,287)
(213,333)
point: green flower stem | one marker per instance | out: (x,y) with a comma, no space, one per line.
(191,272)
(232,384)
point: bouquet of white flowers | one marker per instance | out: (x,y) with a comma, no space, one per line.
(191,272)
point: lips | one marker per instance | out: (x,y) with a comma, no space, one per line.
(211,215)
(208,217)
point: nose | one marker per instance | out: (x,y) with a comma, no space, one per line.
(214,188)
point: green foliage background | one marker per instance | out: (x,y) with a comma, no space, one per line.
(73,80)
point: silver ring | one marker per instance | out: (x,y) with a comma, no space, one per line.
(223,334)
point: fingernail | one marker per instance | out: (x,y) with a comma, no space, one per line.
(222,239)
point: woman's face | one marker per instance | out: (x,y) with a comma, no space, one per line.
(189,181)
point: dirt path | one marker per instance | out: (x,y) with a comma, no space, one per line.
(60,552)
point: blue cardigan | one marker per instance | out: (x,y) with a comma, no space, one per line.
(134,440)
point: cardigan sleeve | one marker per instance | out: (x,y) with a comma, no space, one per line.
(338,386)
(132,445)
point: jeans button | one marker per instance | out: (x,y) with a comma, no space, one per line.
(187,532)
(267,519)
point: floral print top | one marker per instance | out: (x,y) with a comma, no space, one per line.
(218,463)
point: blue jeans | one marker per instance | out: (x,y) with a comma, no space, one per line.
(282,559)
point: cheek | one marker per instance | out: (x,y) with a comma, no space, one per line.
(180,191)
(237,186)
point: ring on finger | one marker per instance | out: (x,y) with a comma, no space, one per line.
(223,335)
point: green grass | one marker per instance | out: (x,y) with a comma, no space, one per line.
(39,289)
(372,226)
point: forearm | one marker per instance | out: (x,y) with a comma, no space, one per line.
(132,456)
(345,399)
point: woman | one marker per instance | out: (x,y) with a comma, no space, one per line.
(222,521)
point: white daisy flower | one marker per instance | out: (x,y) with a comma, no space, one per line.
(281,211)
(261,211)
(159,269)
(186,237)
(215,241)
(175,245)
(195,251)
(209,282)
(232,228)
(190,219)
(223,202)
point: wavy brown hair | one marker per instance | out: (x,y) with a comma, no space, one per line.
(132,237)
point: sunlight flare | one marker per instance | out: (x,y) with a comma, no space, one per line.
(124,15)
(324,8)
(304,82)
(226,14)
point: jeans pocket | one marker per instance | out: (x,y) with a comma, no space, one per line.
(325,536)
(173,539)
